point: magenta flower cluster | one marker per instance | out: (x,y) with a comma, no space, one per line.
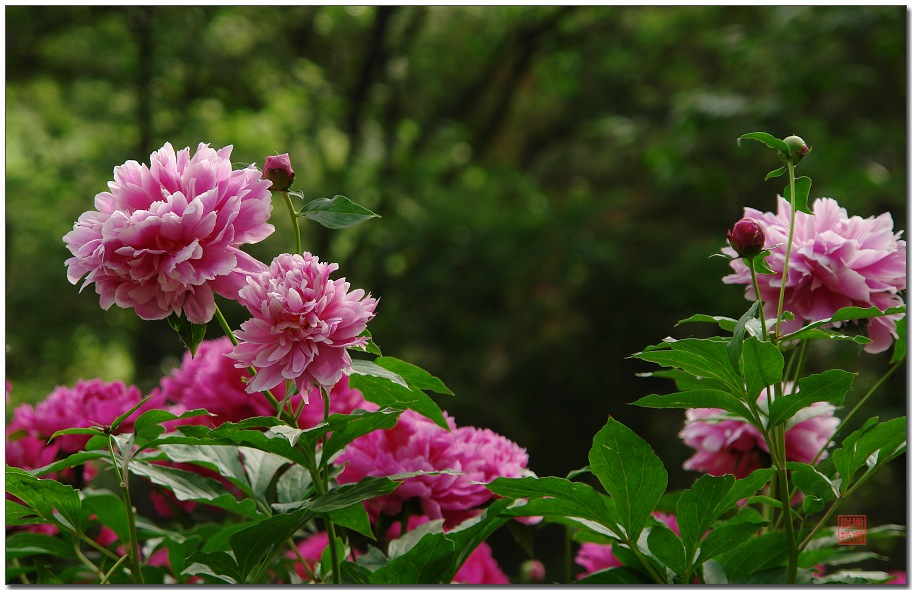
(302,324)
(168,235)
(836,261)
(725,445)
(210,380)
(478,456)
(86,404)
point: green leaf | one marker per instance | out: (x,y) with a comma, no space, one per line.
(667,547)
(260,468)
(224,459)
(371,346)
(802,192)
(712,573)
(190,334)
(869,446)
(626,576)
(387,393)
(45,576)
(336,213)
(19,514)
(192,486)
(373,369)
(746,487)
(762,365)
(77,458)
(428,562)
(352,517)
(847,314)
(701,358)
(108,509)
(768,140)
(66,431)
(737,341)
(830,386)
(630,472)
(761,266)
(754,555)
(243,433)
(25,544)
(357,424)
(722,538)
(817,334)
(699,398)
(415,376)
(899,348)
(777,172)
(555,496)
(352,493)
(215,566)
(723,322)
(256,546)
(148,426)
(293,485)
(45,497)
(816,487)
(698,509)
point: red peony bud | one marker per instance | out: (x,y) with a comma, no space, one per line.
(278,170)
(532,570)
(747,237)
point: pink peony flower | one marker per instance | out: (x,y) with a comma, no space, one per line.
(302,324)
(417,444)
(211,380)
(167,236)
(836,261)
(733,446)
(899,577)
(594,557)
(88,403)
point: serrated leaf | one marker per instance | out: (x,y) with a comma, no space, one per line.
(336,213)
(830,386)
(699,398)
(802,192)
(630,472)
(190,334)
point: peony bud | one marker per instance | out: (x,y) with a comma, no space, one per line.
(797,148)
(747,237)
(531,571)
(278,170)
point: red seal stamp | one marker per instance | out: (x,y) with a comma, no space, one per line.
(851,530)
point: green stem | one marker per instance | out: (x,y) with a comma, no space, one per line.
(113,569)
(294,222)
(750,265)
(788,249)
(649,569)
(81,556)
(22,578)
(857,406)
(133,546)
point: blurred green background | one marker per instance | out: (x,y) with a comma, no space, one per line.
(552,182)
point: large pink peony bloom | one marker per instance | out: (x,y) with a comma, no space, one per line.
(303,323)
(209,379)
(417,444)
(594,557)
(88,403)
(836,261)
(167,236)
(736,447)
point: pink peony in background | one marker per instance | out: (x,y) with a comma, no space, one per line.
(418,444)
(303,323)
(733,446)
(836,261)
(595,557)
(166,236)
(211,380)
(86,404)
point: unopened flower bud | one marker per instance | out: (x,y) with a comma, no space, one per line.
(278,170)
(797,148)
(747,237)
(531,570)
